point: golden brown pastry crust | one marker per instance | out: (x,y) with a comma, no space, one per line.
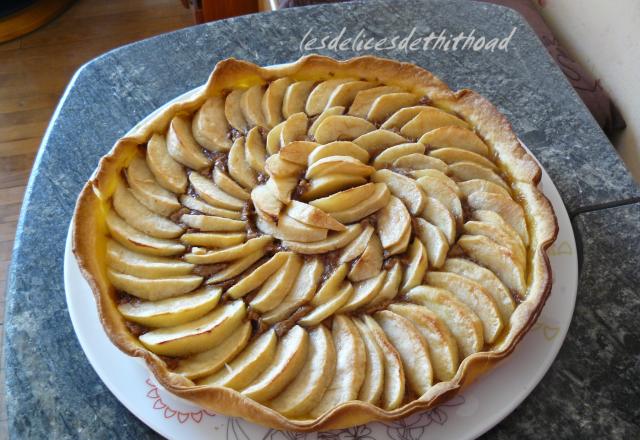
(90,232)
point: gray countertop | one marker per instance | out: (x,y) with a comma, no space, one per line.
(52,391)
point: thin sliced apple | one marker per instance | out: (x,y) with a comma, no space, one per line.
(428,119)
(369,263)
(505,207)
(438,214)
(251,106)
(259,275)
(276,166)
(402,116)
(416,162)
(148,192)
(294,129)
(350,366)
(338,165)
(286,365)
(364,100)
(463,171)
(233,112)
(290,229)
(439,175)
(378,200)
(364,292)
(464,324)
(236,268)
(153,289)
(137,241)
(330,111)
(312,216)
(228,185)
(238,166)
(453,155)
(377,140)
(319,96)
(391,154)
(323,311)
(211,223)
(357,246)
(210,127)
(478,185)
(230,253)
(329,184)
(387,105)
(298,152)
(417,266)
(283,187)
(373,384)
(273,138)
(141,218)
(172,311)
(198,205)
(453,136)
(255,151)
(344,199)
(168,172)
(393,222)
(401,246)
(334,241)
(342,127)
(496,219)
(339,148)
(331,285)
(434,240)
(295,98)
(213,239)
(306,390)
(444,194)
(473,295)
(391,286)
(345,93)
(501,237)
(265,199)
(199,335)
(272,101)
(212,194)
(274,290)
(144,266)
(443,348)
(404,188)
(183,147)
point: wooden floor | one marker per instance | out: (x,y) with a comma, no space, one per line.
(34,71)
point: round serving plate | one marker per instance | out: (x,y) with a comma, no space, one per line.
(468,415)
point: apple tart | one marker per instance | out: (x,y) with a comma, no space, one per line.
(318,245)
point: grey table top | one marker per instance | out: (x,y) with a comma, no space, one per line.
(52,390)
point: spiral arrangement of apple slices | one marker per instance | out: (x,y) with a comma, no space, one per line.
(311,243)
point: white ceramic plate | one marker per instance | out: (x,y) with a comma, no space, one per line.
(470,414)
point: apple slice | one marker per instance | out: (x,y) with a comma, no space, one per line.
(444,194)
(238,166)
(319,96)
(141,218)
(473,295)
(153,289)
(416,162)
(393,222)
(251,106)
(259,275)
(373,384)
(435,242)
(213,239)
(233,111)
(172,311)
(331,285)
(486,279)
(377,140)
(275,166)
(387,105)
(394,379)
(147,191)
(306,390)
(212,194)
(334,241)
(341,127)
(313,216)
(195,204)
(417,266)
(437,214)
(412,348)
(505,207)
(272,101)
(210,361)
(301,292)
(211,223)
(478,185)
(298,152)
(329,184)
(290,229)
(439,175)
(144,266)
(183,147)
(377,201)
(252,361)
(345,93)
(497,259)
(329,111)
(286,365)
(402,116)
(453,136)
(364,292)
(169,173)
(463,171)
(210,127)
(391,286)
(427,120)
(402,187)
(283,187)
(388,156)
(364,100)
(329,308)
(237,267)
(230,253)
(452,155)
(339,148)
(255,151)
(350,366)
(137,241)
(497,220)
(369,263)
(228,185)
(356,247)
(296,97)
(464,324)
(338,165)
(443,348)
(273,138)
(501,237)
(265,199)
(274,290)
(196,336)
(294,129)
(344,199)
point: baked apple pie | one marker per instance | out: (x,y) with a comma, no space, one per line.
(318,245)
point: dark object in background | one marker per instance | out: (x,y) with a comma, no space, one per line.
(209,10)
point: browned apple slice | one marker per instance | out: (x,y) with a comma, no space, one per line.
(183,147)
(144,266)
(212,194)
(417,162)
(169,173)
(402,187)
(393,222)
(444,194)
(276,166)
(319,96)
(504,206)
(364,100)
(211,223)
(294,129)
(345,93)
(443,349)
(386,105)
(228,254)
(233,112)
(500,236)
(338,165)
(137,241)
(417,266)
(251,106)
(272,101)
(378,200)
(463,171)
(495,219)
(334,241)
(296,97)
(436,213)
(478,185)
(369,263)
(341,127)
(440,176)
(427,120)
(306,390)
(377,140)
(286,365)
(453,136)
(238,166)
(146,189)
(330,111)
(213,239)
(210,127)
(344,199)
(434,241)
(228,185)
(196,204)
(330,184)
(391,286)
(259,275)
(356,247)
(330,307)
(312,216)
(350,362)
(273,138)
(373,384)
(412,348)
(255,151)
(464,324)
(339,148)
(401,117)
(473,295)
(277,286)
(298,152)
(388,156)
(237,267)
(364,292)
(453,155)
(196,336)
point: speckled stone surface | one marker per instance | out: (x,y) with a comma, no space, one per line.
(53,392)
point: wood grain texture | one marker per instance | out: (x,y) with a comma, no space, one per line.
(34,71)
